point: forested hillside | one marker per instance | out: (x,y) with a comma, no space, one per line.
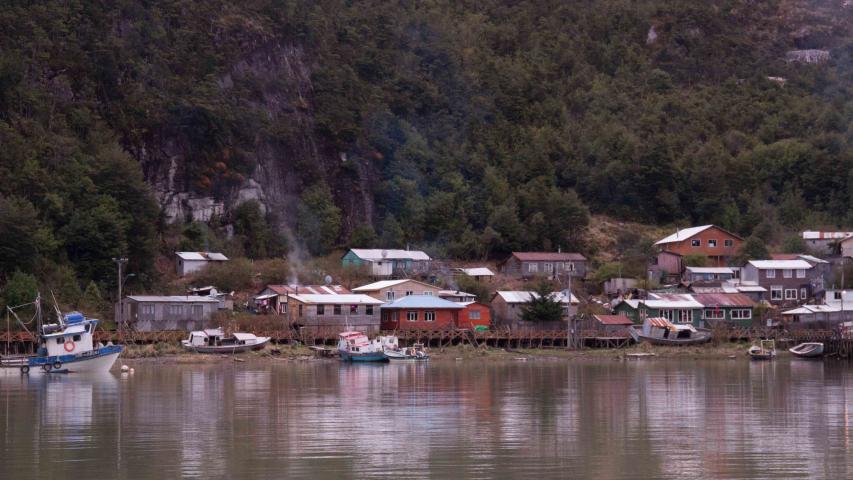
(468,128)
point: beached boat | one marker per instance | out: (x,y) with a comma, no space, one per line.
(808,350)
(215,341)
(65,347)
(765,350)
(414,353)
(356,347)
(660,331)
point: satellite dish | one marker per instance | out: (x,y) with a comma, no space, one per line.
(328,279)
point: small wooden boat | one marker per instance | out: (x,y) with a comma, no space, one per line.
(808,350)
(414,353)
(215,341)
(765,350)
(660,331)
(356,347)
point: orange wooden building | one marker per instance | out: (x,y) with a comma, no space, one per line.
(475,315)
(715,243)
(426,312)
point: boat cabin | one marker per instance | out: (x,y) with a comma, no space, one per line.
(73,335)
(664,329)
(215,337)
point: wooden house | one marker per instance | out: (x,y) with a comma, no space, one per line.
(674,307)
(788,282)
(190,262)
(154,313)
(544,264)
(475,314)
(388,262)
(390,290)
(826,243)
(420,312)
(609,324)
(273,298)
(507,307)
(666,267)
(477,273)
(716,244)
(836,309)
(726,308)
(323,312)
(846,247)
(708,274)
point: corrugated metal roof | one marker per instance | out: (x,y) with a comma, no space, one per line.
(683,234)
(671,300)
(521,296)
(172,298)
(477,272)
(209,256)
(309,289)
(454,293)
(710,270)
(378,254)
(816,235)
(423,301)
(613,319)
(751,288)
(372,287)
(781,264)
(660,323)
(724,300)
(548,256)
(347,299)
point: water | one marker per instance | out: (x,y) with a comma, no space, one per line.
(679,419)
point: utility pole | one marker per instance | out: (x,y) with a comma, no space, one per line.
(120,317)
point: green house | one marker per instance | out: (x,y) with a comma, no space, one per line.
(730,308)
(388,262)
(677,308)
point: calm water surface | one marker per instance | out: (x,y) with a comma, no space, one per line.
(679,419)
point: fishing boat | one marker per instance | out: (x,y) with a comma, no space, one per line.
(215,340)
(660,331)
(808,350)
(356,347)
(414,353)
(765,350)
(65,347)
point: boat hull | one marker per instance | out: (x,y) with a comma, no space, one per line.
(262,341)
(363,357)
(96,361)
(701,336)
(397,356)
(807,350)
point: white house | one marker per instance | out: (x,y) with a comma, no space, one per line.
(189,262)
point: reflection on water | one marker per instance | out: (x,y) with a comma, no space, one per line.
(608,419)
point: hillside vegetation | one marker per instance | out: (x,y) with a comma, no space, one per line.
(466,128)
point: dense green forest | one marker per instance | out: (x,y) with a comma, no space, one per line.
(466,128)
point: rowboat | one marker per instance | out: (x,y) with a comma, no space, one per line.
(414,353)
(807,350)
(765,350)
(215,341)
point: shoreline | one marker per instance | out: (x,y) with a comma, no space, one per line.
(171,354)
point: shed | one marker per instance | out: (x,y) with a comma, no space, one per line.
(189,262)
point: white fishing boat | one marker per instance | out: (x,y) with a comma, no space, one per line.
(65,347)
(356,347)
(660,331)
(807,350)
(215,340)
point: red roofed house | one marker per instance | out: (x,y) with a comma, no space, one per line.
(731,308)
(273,298)
(545,264)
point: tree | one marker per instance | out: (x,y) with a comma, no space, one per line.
(258,239)
(23,237)
(319,220)
(752,249)
(21,288)
(93,237)
(92,301)
(542,306)
(794,244)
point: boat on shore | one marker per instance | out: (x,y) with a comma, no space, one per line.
(65,347)
(356,347)
(808,350)
(765,350)
(215,340)
(394,352)
(660,331)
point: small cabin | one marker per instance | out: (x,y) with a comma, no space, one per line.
(75,337)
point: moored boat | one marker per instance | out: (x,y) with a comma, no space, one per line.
(765,350)
(356,347)
(414,353)
(215,340)
(65,347)
(807,350)
(660,331)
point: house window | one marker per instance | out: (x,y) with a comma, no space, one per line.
(412,316)
(198,311)
(321,309)
(790,294)
(696,243)
(712,243)
(549,267)
(804,293)
(283,307)
(336,309)
(368,310)
(770,273)
(836,295)
(429,316)
(570,266)
(395,316)
(685,316)
(389,295)
(410,293)
(742,314)
(427,293)
(776,292)
(801,273)
(532,267)
(474,314)
(728,243)
(788,273)
(300,309)
(353,309)
(176,310)
(714,314)
(147,311)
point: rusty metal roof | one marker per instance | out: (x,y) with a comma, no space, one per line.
(548,256)
(660,322)
(724,300)
(613,319)
(309,289)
